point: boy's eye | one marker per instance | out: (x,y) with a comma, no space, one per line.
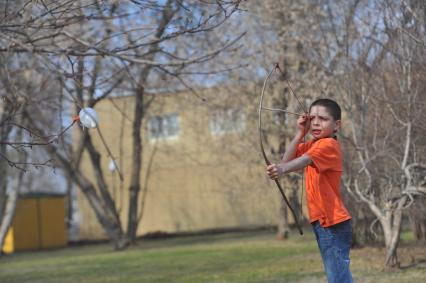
(319,117)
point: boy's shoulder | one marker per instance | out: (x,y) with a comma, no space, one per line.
(323,144)
(325,141)
(326,154)
(329,145)
(329,140)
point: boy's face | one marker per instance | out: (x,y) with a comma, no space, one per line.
(323,124)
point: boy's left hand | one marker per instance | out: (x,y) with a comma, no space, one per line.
(274,171)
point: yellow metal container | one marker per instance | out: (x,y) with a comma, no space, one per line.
(52,229)
(39,222)
(26,224)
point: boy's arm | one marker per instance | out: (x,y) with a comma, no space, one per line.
(276,170)
(295,164)
(303,124)
(289,163)
(290,152)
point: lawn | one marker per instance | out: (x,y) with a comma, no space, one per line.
(228,257)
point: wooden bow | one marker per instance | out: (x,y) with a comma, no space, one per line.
(263,150)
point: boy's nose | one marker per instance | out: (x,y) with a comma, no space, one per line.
(315,121)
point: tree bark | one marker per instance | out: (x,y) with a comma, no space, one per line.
(105,214)
(12,199)
(8,215)
(10,208)
(283,227)
(3,181)
(417,216)
(4,134)
(104,206)
(134,188)
(391,223)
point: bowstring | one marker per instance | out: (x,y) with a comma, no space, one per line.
(303,176)
(304,110)
(304,146)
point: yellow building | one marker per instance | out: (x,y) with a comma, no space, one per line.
(202,167)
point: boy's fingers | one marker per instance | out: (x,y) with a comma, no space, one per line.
(273,176)
(271,167)
(272,171)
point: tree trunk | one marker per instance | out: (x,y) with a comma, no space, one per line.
(139,111)
(8,215)
(391,224)
(135,186)
(298,188)
(105,213)
(417,215)
(10,207)
(69,213)
(4,134)
(391,233)
(3,181)
(283,227)
(106,218)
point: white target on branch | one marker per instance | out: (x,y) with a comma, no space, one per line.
(88,117)
(112,166)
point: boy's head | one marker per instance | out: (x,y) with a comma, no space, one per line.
(332,107)
(325,118)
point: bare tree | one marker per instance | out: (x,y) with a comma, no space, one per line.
(97,49)
(383,102)
(12,199)
(418,220)
(369,56)
(283,32)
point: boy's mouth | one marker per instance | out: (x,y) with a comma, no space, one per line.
(316,132)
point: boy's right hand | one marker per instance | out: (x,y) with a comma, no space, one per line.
(304,124)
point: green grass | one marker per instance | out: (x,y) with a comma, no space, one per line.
(232,257)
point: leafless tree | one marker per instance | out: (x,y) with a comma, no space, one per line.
(22,88)
(11,200)
(283,32)
(96,49)
(377,69)
(369,56)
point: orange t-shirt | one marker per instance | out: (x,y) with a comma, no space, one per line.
(323,181)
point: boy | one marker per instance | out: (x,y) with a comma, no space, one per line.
(322,159)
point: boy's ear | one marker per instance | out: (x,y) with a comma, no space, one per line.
(337,126)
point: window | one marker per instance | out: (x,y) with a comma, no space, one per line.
(227,120)
(164,127)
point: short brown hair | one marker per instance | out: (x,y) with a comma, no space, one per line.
(332,107)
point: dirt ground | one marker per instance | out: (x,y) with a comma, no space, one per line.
(409,255)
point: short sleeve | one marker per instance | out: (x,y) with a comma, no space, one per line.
(326,155)
(299,150)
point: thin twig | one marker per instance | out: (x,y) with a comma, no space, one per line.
(282,110)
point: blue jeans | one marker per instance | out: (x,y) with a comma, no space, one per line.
(334,243)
